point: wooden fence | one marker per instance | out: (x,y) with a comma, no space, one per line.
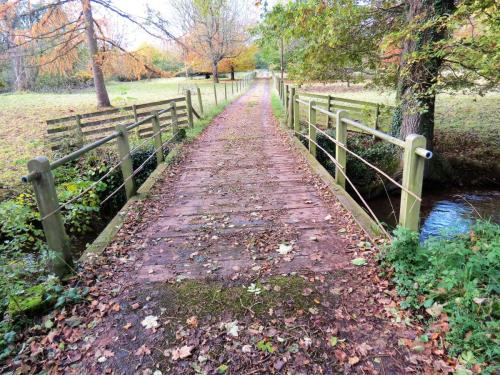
(375,115)
(85,128)
(148,123)
(414,152)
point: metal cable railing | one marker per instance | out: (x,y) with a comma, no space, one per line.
(414,152)
(342,170)
(41,176)
(139,168)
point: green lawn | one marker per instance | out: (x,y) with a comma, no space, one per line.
(454,112)
(23,116)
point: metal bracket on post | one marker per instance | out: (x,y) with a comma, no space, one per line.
(413,175)
(189,106)
(312,129)
(340,153)
(60,259)
(127,165)
(155,122)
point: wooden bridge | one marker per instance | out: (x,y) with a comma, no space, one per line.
(247,202)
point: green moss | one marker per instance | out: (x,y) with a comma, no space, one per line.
(29,302)
(205,299)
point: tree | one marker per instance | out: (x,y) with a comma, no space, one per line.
(245,60)
(420,46)
(436,55)
(49,34)
(213,29)
(100,86)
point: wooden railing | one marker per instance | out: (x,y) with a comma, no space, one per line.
(414,151)
(363,111)
(84,128)
(148,125)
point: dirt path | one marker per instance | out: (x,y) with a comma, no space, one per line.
(240,263)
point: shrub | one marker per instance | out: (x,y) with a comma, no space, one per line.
(460,274)
(379,153)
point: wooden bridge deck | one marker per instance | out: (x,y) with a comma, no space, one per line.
(240,208)
(240,193)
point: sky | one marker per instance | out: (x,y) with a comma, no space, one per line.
(134,36)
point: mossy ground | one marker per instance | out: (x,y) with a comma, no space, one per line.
(206,299)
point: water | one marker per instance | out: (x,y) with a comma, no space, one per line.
(444,213)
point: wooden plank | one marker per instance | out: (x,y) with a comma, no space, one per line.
(68,128)
(161,102)
(107,121)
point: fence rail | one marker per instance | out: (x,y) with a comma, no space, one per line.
(366,112)
(150,126)
(413,147)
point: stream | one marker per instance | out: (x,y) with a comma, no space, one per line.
(444,213)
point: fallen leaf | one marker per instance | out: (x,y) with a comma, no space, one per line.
(192,321)
(180,353)
(150,322)
(232,328)
(143,350)
(284,249)
(359,261)
(353,360)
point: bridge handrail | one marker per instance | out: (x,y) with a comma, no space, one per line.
(42,179)
(414,150)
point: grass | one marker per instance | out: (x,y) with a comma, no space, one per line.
(23,116)
(454,112)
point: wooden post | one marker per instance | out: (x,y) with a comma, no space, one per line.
(189,106)
(134,110)
(413,175)
(155,122)
(215,94)
(175,125)
(328,108)
(296,114)
(126,166)
(225,92)
(312,129)
(291,105)
(136,118)
(60,257)
(232,87)
(79,133)
(200,101)
(285,100)
(340,153)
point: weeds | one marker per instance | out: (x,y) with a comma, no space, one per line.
(458,275)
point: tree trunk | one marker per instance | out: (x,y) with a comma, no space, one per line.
(232,73)
(100,87)
(416,90)
(215,71)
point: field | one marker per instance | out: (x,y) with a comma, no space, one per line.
(23,116)
(454,112)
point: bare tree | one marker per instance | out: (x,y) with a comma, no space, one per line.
(100,87)
(214,29)
(50,32)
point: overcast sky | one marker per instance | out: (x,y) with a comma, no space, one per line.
(134,36)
